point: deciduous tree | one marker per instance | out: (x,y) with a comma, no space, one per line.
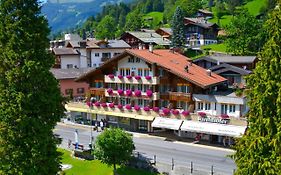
(30,100)
(114,146)
(106,28)
(258,151)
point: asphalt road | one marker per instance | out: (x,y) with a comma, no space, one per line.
(203,157)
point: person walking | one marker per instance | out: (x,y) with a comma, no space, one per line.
(69,143)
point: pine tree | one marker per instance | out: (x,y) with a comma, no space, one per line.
(30,100)
(258,151)
(178,37)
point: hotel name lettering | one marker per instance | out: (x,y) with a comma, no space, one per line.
(213,120)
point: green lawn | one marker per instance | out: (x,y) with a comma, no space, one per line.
(95,167)
(215,47)
(157,18)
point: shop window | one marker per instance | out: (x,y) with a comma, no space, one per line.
(231,108)
(200,106)
(207,106)
(80,90)
(224,108)
(68,91)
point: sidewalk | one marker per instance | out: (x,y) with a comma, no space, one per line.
(160,135)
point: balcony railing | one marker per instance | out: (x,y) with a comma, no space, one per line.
(97,91)
(154,96)
(176,96)
(144,113)
(132,80)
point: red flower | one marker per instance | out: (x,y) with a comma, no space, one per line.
(137,77)
(129,76)
(120,76)
(176,112)
(111,105)
(148,77)
(146,108)
(104,105)
(149,93)
(185,113)
(128,107)
(156,109)
(120,91)
(110,76)
(136,107)
(138,93)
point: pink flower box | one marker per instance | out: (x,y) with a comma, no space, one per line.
(146,108)
(110,76)
(128,107)
(176,112)
(185,113)
(129,77)
(97,104)
(149,93)
(128,92)
(138,93)
(104,105)
(120,91)
(120,106)
(202,114)
(166,111)
(88,103)
(109,91)
(156,109)
(120,76)
(137,77)
(136,107)
(111,105)
(148,77)
(224,116)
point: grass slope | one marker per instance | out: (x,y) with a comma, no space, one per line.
(215,47)
(157,18)
(95,167)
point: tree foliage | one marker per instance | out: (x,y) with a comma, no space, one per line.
(258,151)
(114,146)
(245,34)
(106,28)
(133,21)
(30,99)
(178,37)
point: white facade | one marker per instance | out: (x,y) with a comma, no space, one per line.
(215,105)
(70,61)
(134,65)
(96,55)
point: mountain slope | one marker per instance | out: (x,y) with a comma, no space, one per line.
(66,14)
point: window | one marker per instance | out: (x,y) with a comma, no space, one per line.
(122,86)
(145,87)
(97,84)
(224,108)
(207,106)
(215,106)
(69,66)
(161,72)
(140,87)
(183,88)
(80,90)
(122,71)
(200,105)
(116,54)
(68,91)
(140,71)
(106,55)
(145,102)
(128,86)
(128,101)
(164,103)
(231,108)
(122,101)
(140,102)
(145,72)
(97,54)
(137,60)
(131,60)
(128,71)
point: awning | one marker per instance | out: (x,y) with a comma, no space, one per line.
(160,122)
(213,128)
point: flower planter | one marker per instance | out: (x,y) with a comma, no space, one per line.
(185,113)
(97,104)
(136,107)
(137,93)
(119,106)
(224,116)
(148,77)
(104,105)
(120,76)
(128,92)
(109,91)
(137,77)
(128,107)
(202,114)
(110,76)
(166,111)
(120,91)
(149,93)
(146,108)
(89,103)
(156,109)
(129,77)
(176,112)
(111,105)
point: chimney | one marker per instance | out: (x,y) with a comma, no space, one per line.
(140,46)
(186,68)
(150,47)
(209,72)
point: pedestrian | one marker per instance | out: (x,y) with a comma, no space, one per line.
(69,143)
(101,125)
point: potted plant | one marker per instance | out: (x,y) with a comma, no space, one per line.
(146,108)
(104,105)
(137,77)
(120,91)
(120,76)
(137,93)
(166,111)
(128,107)
(202,114)
(109,91)
(149,93)
(176,112)
(110,76)
(156,109)
(111,105)
(224,116)
(185,113)
(129,77)
(128,92)
(120,106)
(137,108)
(97,104)
(148,77)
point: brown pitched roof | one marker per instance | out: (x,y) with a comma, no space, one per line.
(172,62)
(65,51)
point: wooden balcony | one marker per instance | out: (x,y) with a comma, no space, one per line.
(176,96)
(143,80)
(97,91)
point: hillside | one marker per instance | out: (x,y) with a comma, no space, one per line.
(66,14)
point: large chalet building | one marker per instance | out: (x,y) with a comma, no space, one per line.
(149,90)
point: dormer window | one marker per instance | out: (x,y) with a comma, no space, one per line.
(131,60)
